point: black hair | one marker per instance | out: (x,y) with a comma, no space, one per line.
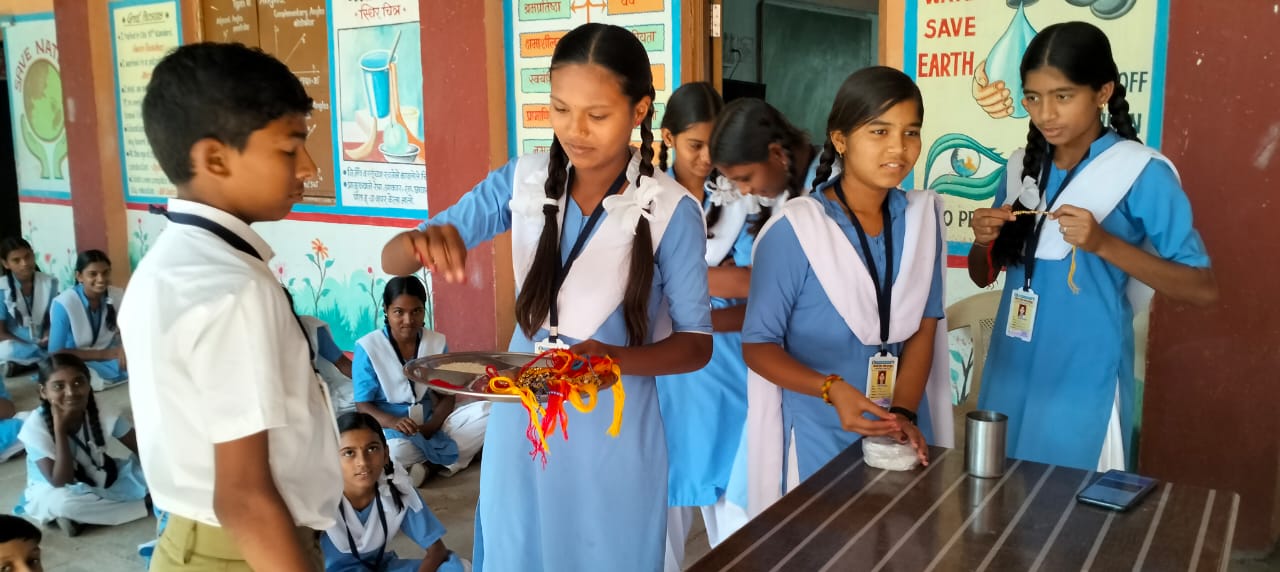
(693,103)
(8,245)
(83,261)
(618,50)
(214,91)
(865,95)
(354,420)
(1082,53)
(743,132)
(18,528)
(401,285)
(47,367)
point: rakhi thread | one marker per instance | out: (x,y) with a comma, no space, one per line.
(571,378)
(1071,272)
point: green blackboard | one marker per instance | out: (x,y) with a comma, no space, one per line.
(807,54)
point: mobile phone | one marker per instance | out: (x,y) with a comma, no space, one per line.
(1117,490)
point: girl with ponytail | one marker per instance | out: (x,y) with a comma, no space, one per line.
(25,295)
(72,478)
(608,257)
(704,411)
(763,154)
(379,501)
(1118,223)
(82,321)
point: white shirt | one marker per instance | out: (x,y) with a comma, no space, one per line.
(215,355)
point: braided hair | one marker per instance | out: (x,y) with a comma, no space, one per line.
(1082,53)
(82,262)
(619,51)
(8,245)
(864,95)
(742,135)
(354,420)
(47,367)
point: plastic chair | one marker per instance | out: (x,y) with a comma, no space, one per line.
(978,313)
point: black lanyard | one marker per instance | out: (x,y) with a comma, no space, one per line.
(554,317)
(399,356)
(351,541)
(234,241)
(96,325)
(81,438)
(1029,249)
(884,293)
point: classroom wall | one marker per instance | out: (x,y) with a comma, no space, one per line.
(328,253)
(1211,398)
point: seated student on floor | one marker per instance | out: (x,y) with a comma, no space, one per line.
(82,321)
(25,294)
(330,361)
(425,430)
(378,502)
(71,476)
(19,545)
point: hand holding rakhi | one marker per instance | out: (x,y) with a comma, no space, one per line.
(850,404)
(987,223)
(911,434)
(441,251)
(596,349)
(1079,228)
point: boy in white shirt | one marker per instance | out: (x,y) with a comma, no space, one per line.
(235,430)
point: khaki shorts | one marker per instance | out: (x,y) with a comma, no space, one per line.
(189,545)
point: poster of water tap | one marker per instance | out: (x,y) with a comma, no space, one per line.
(377,71)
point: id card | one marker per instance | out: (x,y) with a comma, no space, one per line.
(882,374)
(1022,314)
(545,345)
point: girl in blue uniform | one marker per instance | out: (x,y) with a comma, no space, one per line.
(850,274)
(25,295)
(82,321)
(378,502)
(72,477)
(424,429)
(1063,371)
(704,411)
(608,256)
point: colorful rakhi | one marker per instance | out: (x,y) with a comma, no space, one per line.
(569,377)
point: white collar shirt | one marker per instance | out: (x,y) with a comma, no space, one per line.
(216,354)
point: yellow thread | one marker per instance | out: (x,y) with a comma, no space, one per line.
(619,397)
(1071,273)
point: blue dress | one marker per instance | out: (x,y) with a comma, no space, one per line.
(9,444)
(61,338)
(704,411)
(421,526)
(789,307)
(439,449)
(601,502)
(23,350)
(1058,389)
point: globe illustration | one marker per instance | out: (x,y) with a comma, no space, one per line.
(42,100)
(965,162)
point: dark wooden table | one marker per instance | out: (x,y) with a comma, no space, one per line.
(849,516)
